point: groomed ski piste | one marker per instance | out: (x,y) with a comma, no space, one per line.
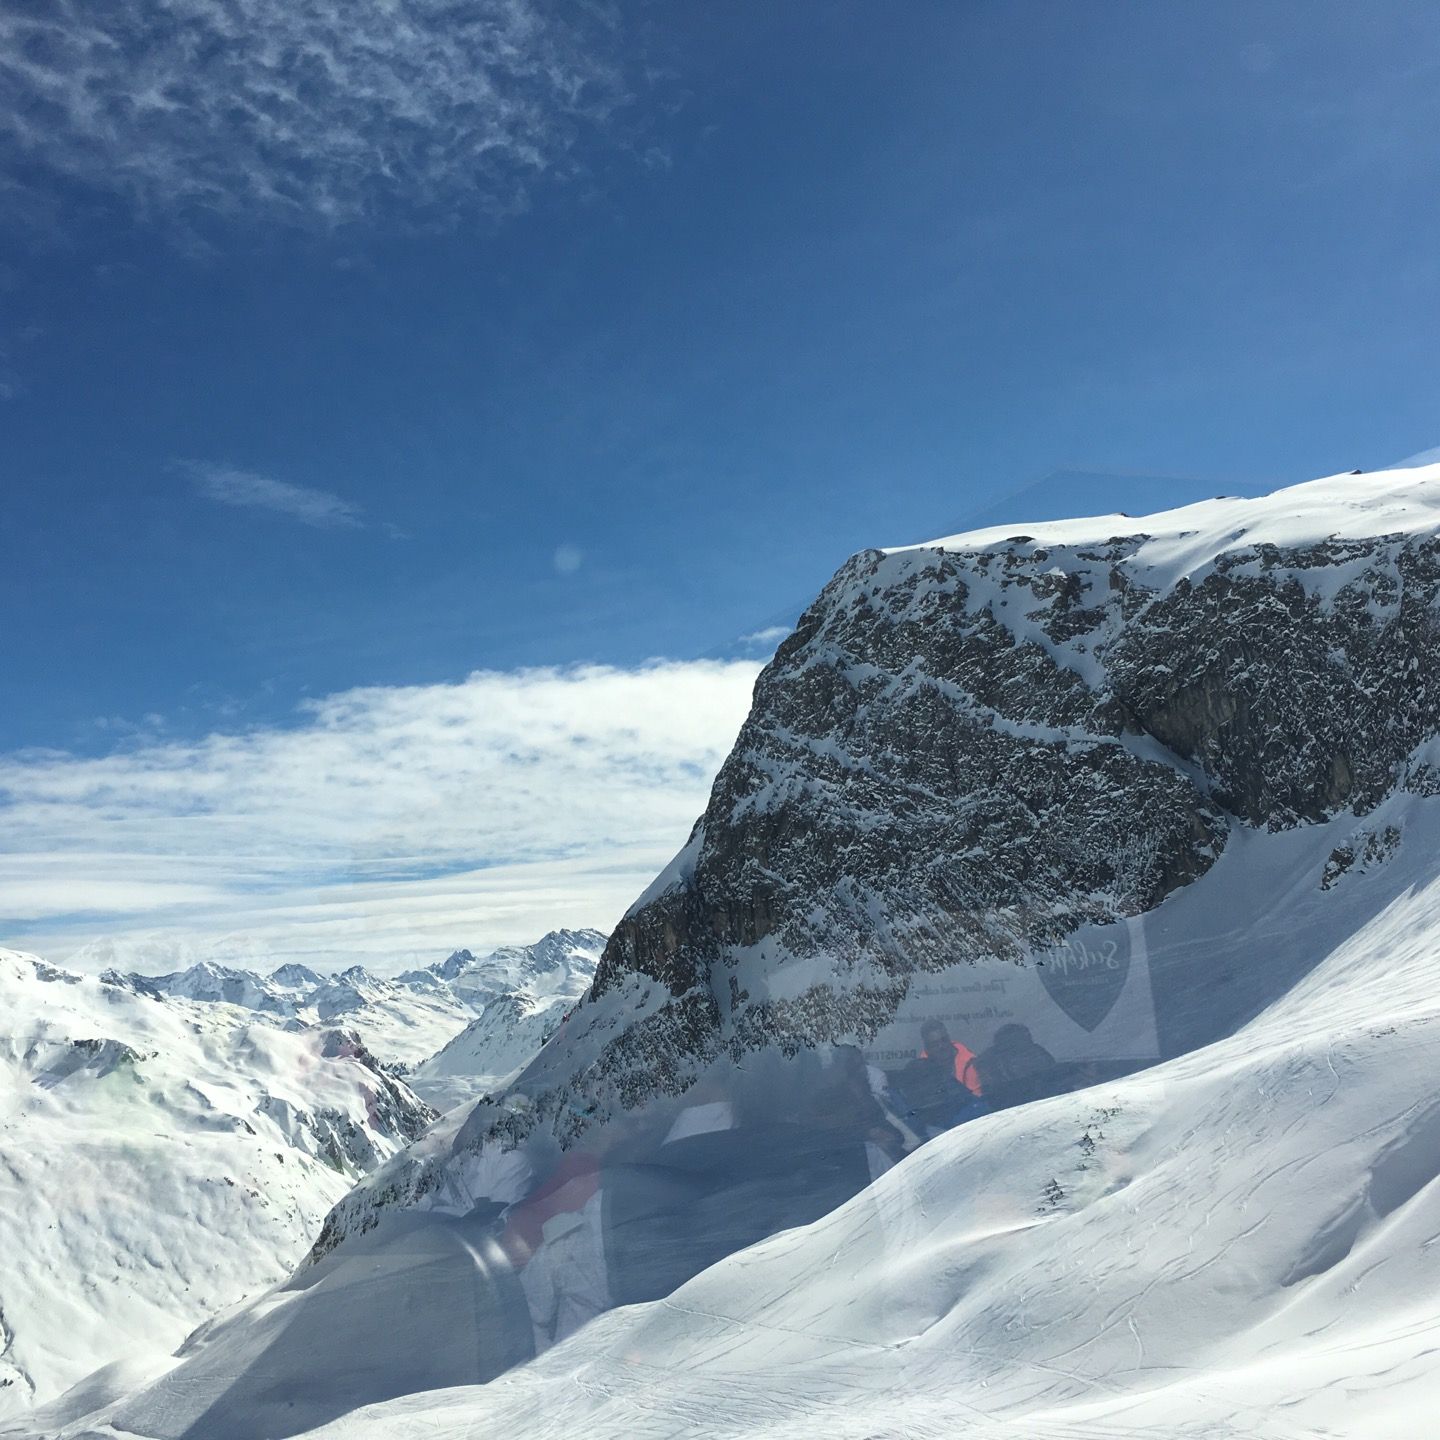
(1243,1241)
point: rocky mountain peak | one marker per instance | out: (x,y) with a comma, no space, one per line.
(456,962)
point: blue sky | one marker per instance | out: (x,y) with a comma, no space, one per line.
(340,354)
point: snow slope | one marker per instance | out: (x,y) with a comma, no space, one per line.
(1242,1242)
(159,1160)
(1186,543)
(489,1050)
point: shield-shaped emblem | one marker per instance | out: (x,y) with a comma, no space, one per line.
(1085,976)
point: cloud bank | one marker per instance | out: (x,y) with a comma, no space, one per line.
(389,826)
(312,112)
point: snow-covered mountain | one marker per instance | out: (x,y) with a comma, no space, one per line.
(1164,795)
(294,977)
(403,1024)
(524,993)
(210,982)
(973,751)
(559,964)
(161,1158)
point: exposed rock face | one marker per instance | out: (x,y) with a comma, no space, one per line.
(915,785)
(970,752)
(1296,701)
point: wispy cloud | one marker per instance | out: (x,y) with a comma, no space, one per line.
(1425,457)
(229,486)
(388,824)
(312,112)
(766,639)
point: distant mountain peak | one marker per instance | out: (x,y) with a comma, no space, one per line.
(294,976)
(453,964)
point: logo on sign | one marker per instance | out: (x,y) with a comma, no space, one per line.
(1085,977)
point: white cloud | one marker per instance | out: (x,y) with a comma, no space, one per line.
(311,112)
(229,486)
(390,824)
(766,639)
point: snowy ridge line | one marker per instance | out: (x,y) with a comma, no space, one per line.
(1170,544)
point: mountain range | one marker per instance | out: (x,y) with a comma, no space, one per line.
(406,1018)
(162,1158)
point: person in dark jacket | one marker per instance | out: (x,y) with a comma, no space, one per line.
(845,1104)
(1013,1068)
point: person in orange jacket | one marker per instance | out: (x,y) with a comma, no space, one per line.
(940,1088)
(937,1042)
